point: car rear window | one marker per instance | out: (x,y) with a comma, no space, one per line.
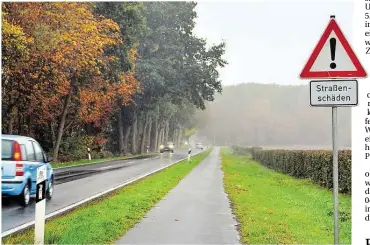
(6,149)
(23,152)
(30,151)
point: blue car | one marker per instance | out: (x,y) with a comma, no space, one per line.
(20,158)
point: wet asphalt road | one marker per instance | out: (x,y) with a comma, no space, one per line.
(196,211)
(67,174)
(98,165)
(77,190)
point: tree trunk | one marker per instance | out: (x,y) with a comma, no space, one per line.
(10,107)
(52,133)
(89,128)
(10,126)
(160,138)
(126,139)
(143,139)
(134,136)
(174,136)
(155,138)
(61,124)
(64,116)
(149,133)
(120,133)
(20,122)
(164,134)
(179,136)
(167,129)
(141,132)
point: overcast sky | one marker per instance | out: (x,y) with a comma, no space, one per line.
(269,41)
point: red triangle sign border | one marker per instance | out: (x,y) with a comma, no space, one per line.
(333,26)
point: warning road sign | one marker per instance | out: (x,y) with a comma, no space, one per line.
(333,57)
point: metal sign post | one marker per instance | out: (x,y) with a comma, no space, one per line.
(334,93)
(335,175)
(333,58)
(40,205)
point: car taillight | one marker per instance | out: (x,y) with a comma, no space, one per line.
(17,152)
(19,169)
(17,155)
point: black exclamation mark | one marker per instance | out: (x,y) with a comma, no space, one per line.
(333,43)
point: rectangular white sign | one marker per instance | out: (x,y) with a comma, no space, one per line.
(333,93)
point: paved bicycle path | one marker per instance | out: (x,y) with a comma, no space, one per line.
(196,211)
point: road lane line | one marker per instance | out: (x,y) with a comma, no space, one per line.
(76,204)
(10,209)
(106,167)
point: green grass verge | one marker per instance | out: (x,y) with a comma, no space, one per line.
(105,220)
(87,161)
(274,208)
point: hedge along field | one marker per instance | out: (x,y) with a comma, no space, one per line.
(275,208)
(316,165)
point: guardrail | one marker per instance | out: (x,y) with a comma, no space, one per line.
(66,174)
(123,159)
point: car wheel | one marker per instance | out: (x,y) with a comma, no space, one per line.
(50,191)
(25,196)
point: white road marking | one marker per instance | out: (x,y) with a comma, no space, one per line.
(106,167)
(11,209)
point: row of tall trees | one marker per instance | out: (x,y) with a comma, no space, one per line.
(112,76)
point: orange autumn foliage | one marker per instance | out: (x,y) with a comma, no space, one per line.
(101,98)
(66,39)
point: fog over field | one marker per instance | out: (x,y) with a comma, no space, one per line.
(270,115)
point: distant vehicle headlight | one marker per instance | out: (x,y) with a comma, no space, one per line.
(171,146)
(162,146)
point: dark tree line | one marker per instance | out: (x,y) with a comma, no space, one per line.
(113,76)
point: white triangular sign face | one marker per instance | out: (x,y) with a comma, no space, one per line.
(340,60)
(333,57)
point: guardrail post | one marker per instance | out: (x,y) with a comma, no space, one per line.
(88,153)
(40,205)
(189,154)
